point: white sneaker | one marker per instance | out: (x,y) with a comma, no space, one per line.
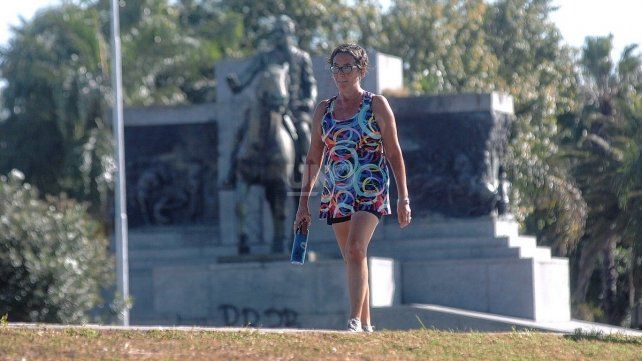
(354,325)
(368,328)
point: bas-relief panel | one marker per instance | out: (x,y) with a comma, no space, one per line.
(452,161)
(171,174)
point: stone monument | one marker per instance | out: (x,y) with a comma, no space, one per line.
(445,258)
(461,264)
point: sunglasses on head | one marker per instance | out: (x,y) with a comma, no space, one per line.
(346,69)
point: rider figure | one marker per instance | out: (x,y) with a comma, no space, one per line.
(302,88)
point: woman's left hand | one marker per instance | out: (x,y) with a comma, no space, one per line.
(403,214)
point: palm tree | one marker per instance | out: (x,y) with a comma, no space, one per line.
(606,165)
(56,70)
(629,185)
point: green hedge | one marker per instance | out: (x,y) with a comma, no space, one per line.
(54,259)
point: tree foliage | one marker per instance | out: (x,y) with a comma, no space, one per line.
(509,46)
(56,69)
(322,24)
(169,49)
(538,72)
(443,44)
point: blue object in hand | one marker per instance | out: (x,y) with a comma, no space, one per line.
(300,244)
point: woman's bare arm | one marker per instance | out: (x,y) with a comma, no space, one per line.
(386,121)
(387,124)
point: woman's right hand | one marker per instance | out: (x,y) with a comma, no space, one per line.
(302,215)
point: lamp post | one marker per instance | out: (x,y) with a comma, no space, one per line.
(122,267)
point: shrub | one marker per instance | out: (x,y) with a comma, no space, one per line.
(54,258)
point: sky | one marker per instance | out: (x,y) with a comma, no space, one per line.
(11,10)
(575,19)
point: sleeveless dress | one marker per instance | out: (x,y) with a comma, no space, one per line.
(355,167)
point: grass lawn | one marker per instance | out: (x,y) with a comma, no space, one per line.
(18,343)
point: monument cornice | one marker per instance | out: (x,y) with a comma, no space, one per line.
(170,115)
(452,103)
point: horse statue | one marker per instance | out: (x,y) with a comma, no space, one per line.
(265,154)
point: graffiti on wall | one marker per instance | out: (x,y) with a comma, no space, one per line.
(247,316)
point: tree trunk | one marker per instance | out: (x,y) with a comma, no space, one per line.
(586,266)
(609,281)
(635,282)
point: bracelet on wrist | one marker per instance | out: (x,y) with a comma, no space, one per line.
(404,200)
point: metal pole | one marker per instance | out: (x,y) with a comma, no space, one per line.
(122,267)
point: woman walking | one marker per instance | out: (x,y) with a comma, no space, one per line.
(355,135)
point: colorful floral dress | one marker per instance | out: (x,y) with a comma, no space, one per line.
(355,167)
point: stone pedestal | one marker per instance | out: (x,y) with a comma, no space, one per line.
(480,264)
(265,294)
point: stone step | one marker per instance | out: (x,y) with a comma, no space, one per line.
(149,258)
(189,257)
(479,227)
(450,242)
(453,248)
(415,249)
(149,264)
(170,236)
(464,242)
(538,253)
(470,253)
(419,252)
(183,252)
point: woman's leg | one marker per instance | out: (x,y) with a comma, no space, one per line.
(365,309)
(341,232)
(362,226)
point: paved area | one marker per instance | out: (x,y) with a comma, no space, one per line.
(564,328)
(169,328)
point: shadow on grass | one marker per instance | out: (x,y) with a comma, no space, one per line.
(598,335)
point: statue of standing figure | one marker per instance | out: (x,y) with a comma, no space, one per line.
(285,95)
